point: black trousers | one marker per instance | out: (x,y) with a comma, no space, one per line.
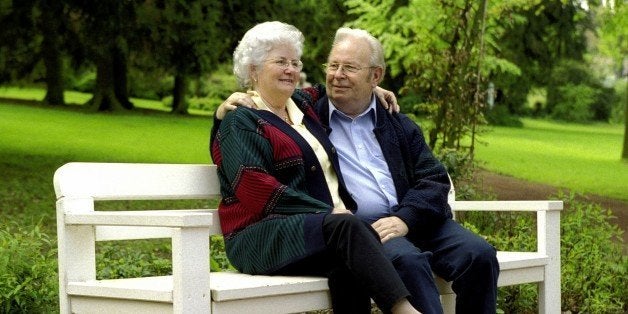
(356,266)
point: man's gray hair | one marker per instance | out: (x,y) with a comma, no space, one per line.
(257,42)
(377,51)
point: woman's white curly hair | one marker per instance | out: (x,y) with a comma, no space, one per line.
(258,41)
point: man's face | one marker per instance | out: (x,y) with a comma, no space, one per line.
(350,77)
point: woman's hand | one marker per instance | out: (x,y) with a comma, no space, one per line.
(236,99)
(388,99)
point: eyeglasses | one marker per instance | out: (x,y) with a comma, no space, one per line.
(285,64)
(345,68)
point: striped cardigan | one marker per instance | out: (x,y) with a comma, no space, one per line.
(274,192)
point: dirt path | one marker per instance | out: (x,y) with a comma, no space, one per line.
(509,188)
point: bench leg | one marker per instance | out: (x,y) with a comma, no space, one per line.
(190,270)
(548,234)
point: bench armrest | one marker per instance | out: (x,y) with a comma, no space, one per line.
(507,205)
(148,218)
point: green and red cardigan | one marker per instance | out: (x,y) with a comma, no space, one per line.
(274,192)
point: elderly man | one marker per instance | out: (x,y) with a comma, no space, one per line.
(400,187)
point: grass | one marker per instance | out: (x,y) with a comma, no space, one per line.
(78,98)
(85,136)
(582,158)
(36,140)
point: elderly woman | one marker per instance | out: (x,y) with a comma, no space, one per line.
(285,210)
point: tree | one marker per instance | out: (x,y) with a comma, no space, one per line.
(52,26)
(614,43)
(183,37)
(538,35)
(438,47)
(104,28)
(33,32)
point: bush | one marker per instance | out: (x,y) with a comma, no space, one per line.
(574,94)
(28,271)
(593,267)
(500,115)
(574,104)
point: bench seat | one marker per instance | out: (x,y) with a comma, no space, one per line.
(229,290)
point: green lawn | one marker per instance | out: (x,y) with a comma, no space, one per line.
(84,136)
(582,158)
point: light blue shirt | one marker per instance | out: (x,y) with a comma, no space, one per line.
(362,163)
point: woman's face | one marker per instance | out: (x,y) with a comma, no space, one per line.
(279,73)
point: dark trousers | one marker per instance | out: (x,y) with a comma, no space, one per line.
(356,266)
(455,254)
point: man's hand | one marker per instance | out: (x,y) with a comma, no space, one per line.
(390,227)
(388,99)
(236,99)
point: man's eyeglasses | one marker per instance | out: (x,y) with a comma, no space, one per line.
(285,64)
(345,68)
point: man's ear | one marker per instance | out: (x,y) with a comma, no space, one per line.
(377,76)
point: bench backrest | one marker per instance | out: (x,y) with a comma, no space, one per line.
(91,182)
(128,181)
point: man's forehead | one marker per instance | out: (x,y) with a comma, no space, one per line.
(349,51)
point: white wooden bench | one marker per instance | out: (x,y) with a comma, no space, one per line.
(192,288)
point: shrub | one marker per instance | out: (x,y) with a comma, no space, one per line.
(574,94)
(28,276)
(593,266)
(574,104)
(500,115)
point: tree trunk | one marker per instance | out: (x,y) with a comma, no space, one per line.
(179,105)
(51,55)
(120,81)
(104,98)
(624,154)
(111,93)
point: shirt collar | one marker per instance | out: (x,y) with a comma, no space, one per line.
(369,110)
(295,114)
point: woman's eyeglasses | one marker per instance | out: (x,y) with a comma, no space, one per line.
(285,64)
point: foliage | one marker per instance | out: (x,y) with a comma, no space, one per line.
(536,35)
(574,94)
(438,46)
(28,279)
(500,115)
(593,266)
(574,104)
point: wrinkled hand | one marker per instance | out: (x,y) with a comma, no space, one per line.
(236,99)
(390,227)
(388,99)
(341,211)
